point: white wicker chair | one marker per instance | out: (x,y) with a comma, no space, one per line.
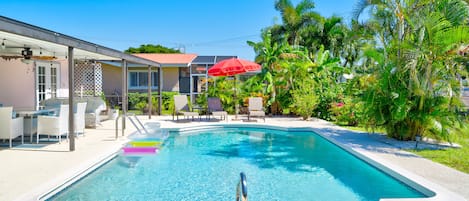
(10,127)
(79,118)
(54,125)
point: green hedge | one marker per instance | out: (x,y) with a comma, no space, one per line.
(139,100)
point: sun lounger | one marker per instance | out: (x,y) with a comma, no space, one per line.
(215,108)
(256,108)
(181,106)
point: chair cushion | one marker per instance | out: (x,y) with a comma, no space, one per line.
(191,114)
(220,113)
(257,113)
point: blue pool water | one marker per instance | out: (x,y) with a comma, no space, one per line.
(205,165)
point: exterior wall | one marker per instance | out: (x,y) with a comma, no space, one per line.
(112,79)
(17,83)
(170,79)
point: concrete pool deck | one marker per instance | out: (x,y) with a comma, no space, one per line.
(28,171)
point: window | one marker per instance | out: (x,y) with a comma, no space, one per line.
(139,80)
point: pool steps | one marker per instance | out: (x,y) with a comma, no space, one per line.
(140,150)
(142,147)
(149,143)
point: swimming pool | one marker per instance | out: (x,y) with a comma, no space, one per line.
(205,165)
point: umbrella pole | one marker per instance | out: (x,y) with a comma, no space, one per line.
(236,99)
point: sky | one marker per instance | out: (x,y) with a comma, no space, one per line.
(203,27)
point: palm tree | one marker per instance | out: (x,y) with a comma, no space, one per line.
(295,19)
(328,32)
(268,54)
(419,71)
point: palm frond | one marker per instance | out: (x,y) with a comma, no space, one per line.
(451,38)
(360,6)
(305,6)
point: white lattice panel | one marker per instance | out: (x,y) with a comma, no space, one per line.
(88,78)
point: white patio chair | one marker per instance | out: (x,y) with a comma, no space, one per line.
(256,108)
(10,127)
(54,125)
(79,118)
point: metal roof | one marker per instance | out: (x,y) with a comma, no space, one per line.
(210,59)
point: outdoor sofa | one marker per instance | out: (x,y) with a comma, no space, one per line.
(94,106)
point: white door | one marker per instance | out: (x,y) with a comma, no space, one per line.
(47,81)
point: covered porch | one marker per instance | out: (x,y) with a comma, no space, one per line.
(39,64)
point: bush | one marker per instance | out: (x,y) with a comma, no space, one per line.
(136,98)
(139,101)
(345,112)
(141,106)
(305,100)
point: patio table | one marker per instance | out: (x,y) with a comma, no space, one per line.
(31,114)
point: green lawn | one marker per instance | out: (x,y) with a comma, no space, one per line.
(457,158)
(454,157)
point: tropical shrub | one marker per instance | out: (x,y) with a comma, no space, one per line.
(167,100)
(305,99)
(135,98)
(141,106)
(415,89)
(139,101)
(223,88)
(346,112)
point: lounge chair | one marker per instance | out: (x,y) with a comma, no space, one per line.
(182,107)
(10,126)
(215,108)
(54,125)
(255,108)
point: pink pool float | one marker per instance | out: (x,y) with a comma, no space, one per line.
(139,150)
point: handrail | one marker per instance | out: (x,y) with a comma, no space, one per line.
(132,121)
(139,122)
(242,185)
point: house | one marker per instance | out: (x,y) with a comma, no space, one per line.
(35,66)
(180,73)
(39,64)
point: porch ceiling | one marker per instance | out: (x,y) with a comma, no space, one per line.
(45,44)
(14,44)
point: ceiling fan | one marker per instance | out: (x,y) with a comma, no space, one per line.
(27,53)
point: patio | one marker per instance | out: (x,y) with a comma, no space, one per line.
(34,171)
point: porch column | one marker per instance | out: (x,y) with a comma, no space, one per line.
(160,89)
(71,92)
(149,92)
(124,93)
(191,84)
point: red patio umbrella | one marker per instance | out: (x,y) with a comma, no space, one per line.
(231,67)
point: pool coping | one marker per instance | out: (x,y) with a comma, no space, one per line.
(434,191)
